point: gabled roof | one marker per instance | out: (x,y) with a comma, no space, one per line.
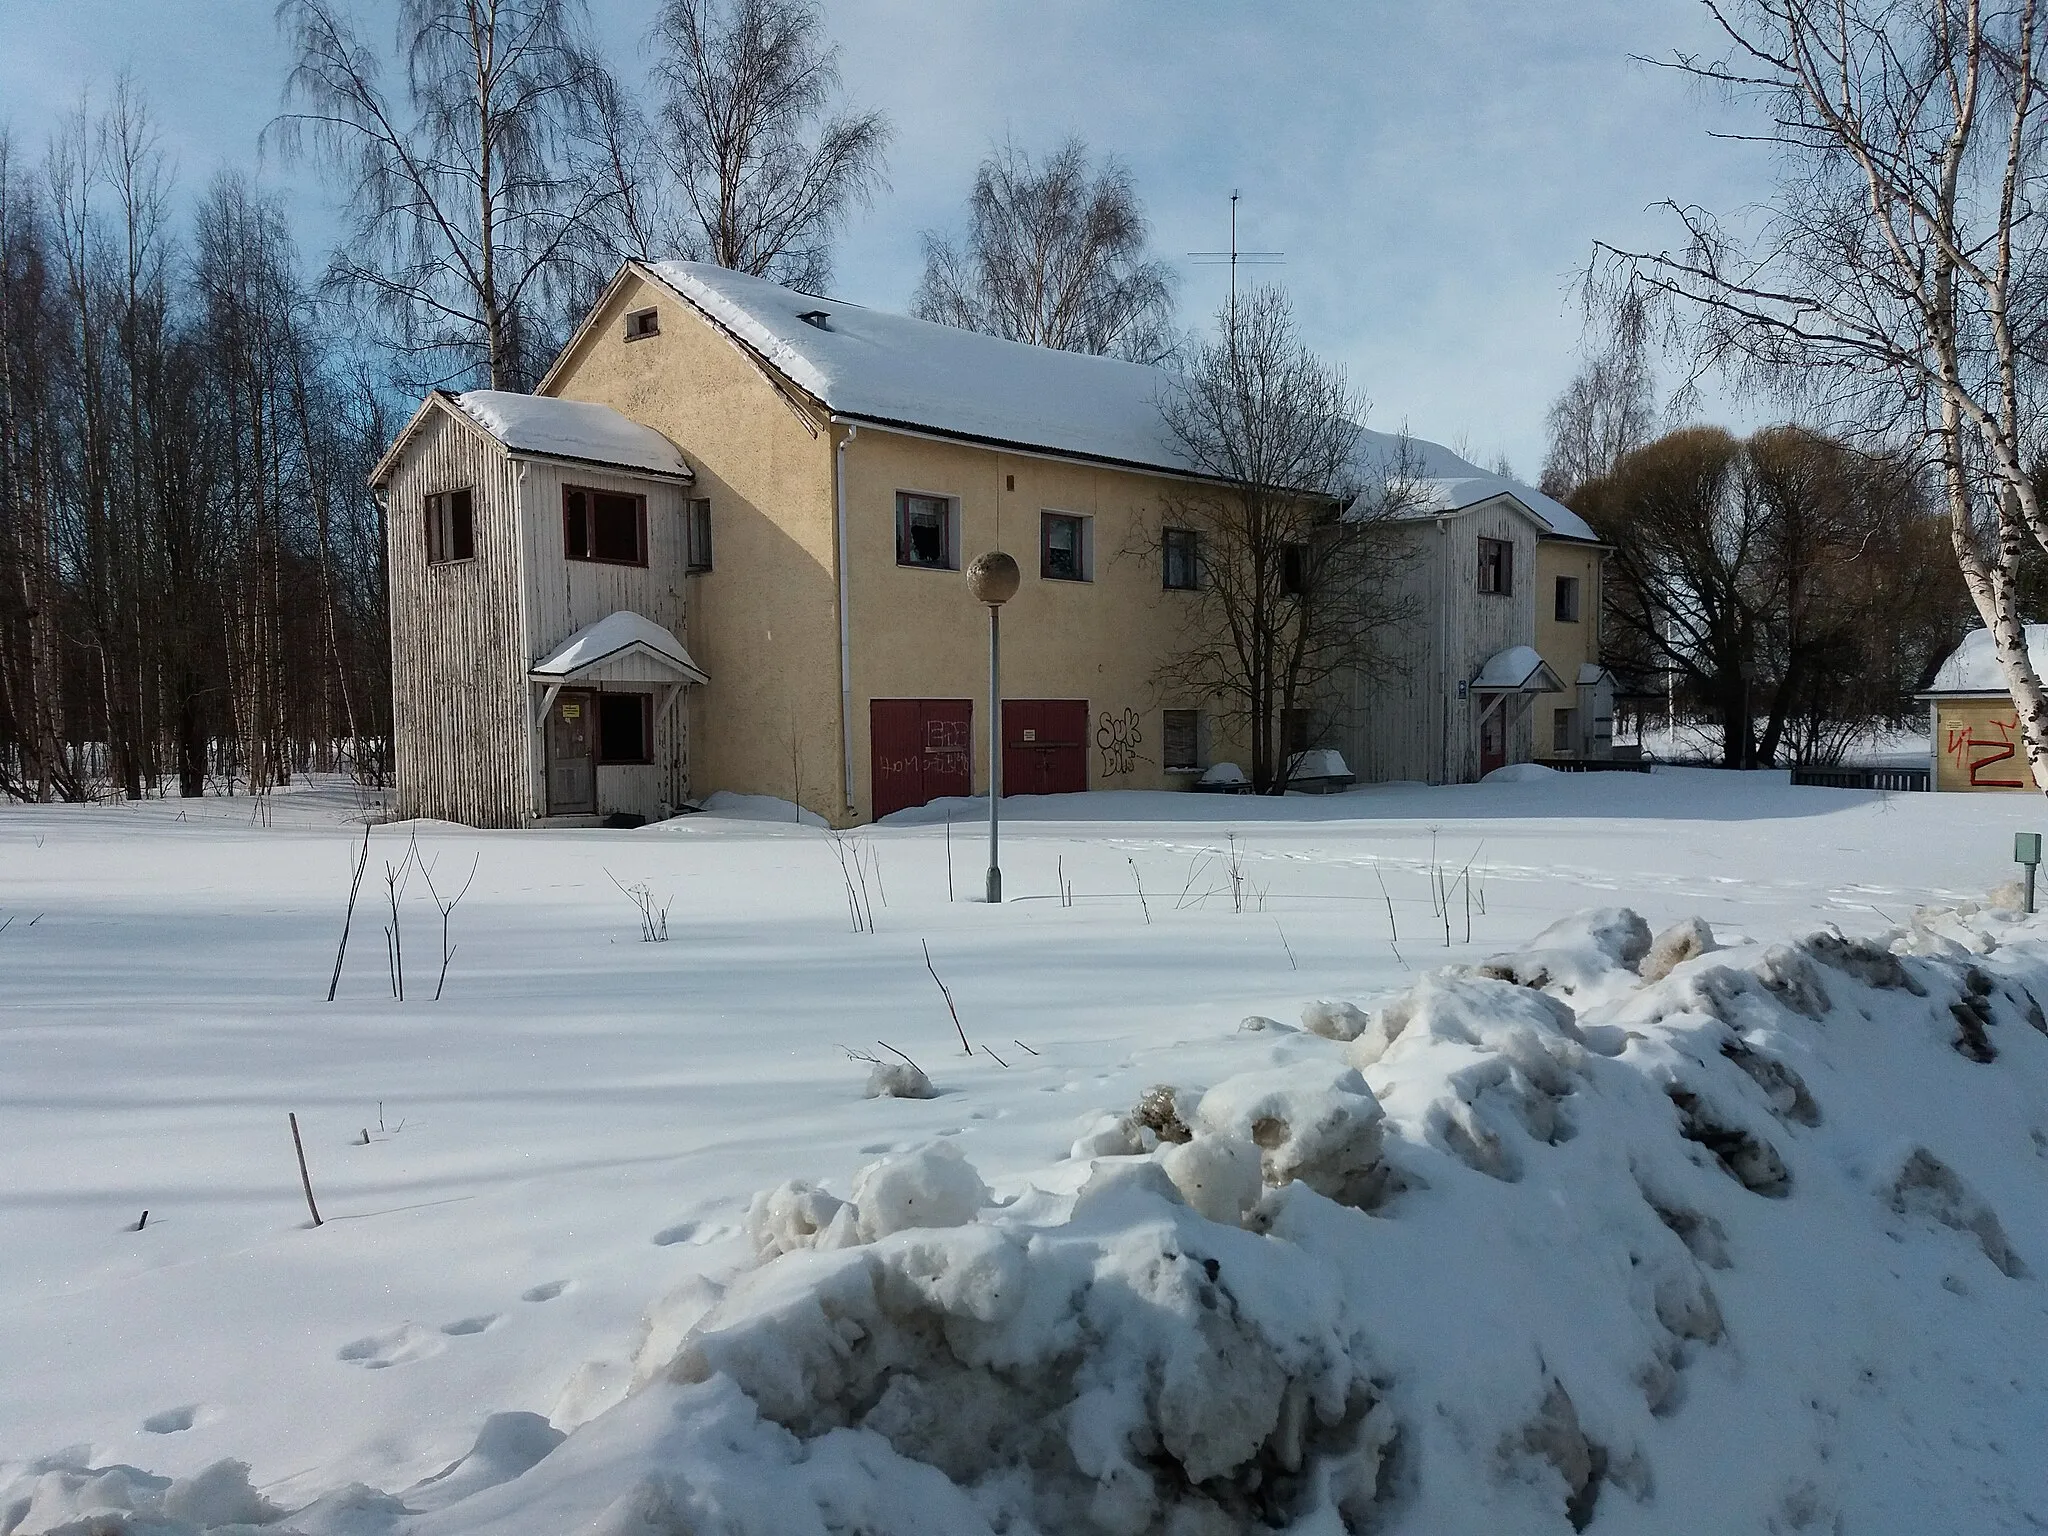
(1972,667)
(539,426)
(872,366)
(1436,496)
(617,637)
(1518,669)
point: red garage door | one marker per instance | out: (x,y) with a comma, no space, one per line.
(1045,746)
(923,751)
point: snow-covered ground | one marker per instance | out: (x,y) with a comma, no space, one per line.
(1754,1246)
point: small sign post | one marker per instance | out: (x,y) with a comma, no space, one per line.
(2026,850)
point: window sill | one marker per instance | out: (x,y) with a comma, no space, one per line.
(442,565)
(635,565)
(915,565)
(642,336)
(1068,581)
(1187,772)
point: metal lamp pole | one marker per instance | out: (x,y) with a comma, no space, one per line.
(993,579)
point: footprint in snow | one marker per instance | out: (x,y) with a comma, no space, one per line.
(397,1346)
(463,1327)
(171,1420)
(547,1292)
(695,1233)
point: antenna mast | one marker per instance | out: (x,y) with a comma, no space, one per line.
(1234,256)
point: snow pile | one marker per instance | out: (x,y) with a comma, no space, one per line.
(1599,1234)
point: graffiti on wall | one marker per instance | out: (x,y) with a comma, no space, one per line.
(1987,750)
(1118,738)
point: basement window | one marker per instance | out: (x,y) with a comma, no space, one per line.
(451,527)
(625,728)
(1564,732)
(609,527)
(1183,741)
(643,323)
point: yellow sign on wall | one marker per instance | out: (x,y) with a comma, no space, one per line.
(1977,745)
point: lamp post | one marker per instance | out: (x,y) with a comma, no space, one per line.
(993,578)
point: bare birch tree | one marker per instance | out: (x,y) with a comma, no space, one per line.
(1295,534)
(1897,279)
(1054,255)
(470,179)
(760,171)
(1609,408)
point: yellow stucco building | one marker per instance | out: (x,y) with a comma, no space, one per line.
(844,465)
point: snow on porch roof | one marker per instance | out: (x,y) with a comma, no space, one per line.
(613,638)
(1972,667)
(1518,669)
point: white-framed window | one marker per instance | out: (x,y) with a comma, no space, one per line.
(643,323)
(451,526)
(1066,547)
(697,533)
(927,531)
(1181,741)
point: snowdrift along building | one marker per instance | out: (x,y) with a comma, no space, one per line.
(770,498)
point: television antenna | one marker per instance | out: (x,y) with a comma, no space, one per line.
(1234,256)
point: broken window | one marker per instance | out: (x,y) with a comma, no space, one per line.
(607,526)
(451,527)
(924,531)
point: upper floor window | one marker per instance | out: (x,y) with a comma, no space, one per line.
(697,533)
(1294,570)
(606,526)
(1567,610)
(1496,567)
(925,532)
(1063,547)
(1180,551)
(643,322)
(451,527)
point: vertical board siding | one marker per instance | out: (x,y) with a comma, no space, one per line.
(1406,721)
(563,595)
(459,719)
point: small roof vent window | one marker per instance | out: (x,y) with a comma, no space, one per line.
(821,318)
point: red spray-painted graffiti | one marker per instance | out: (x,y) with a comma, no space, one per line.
(1981,746)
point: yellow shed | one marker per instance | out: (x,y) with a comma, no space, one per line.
(1974,727)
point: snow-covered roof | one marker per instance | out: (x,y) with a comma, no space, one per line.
(1433,495)
(1972,667)
(615,637)
(1592,674)
(875,366)
(1518,669)
(571,429)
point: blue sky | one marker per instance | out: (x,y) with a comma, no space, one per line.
(1434,170)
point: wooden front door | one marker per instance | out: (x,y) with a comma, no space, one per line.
(922,750)
(1045,746)
(1493,734)
(572,755)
